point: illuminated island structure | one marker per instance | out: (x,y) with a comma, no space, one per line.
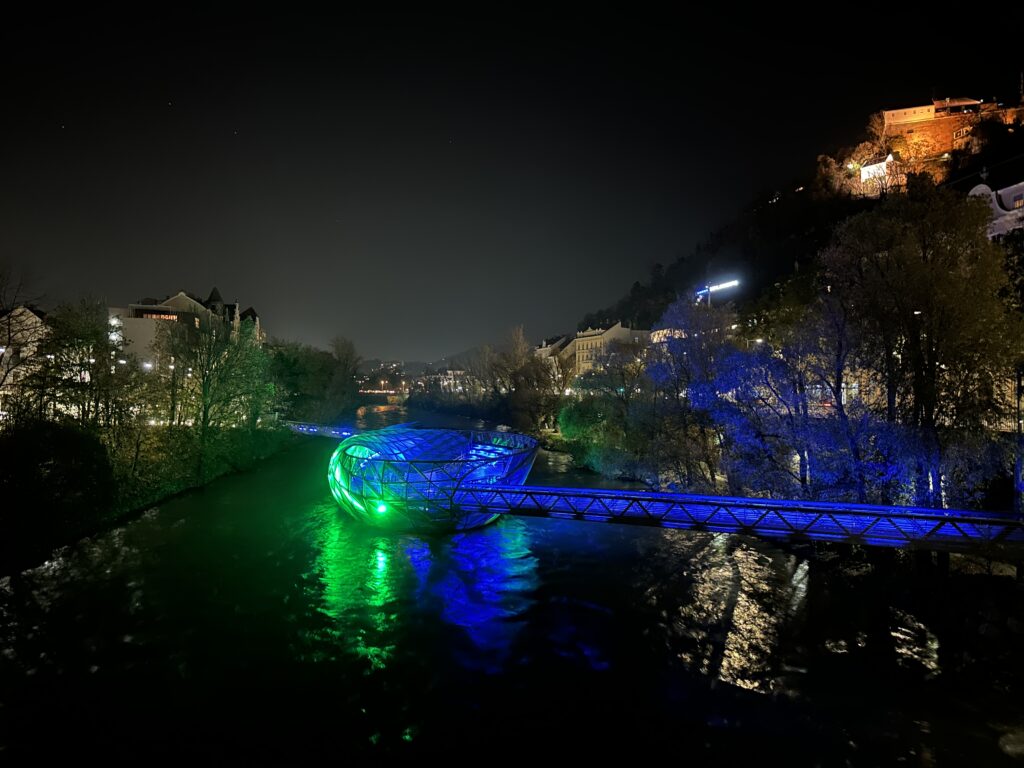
(408,479)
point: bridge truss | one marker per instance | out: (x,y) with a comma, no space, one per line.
(852,523)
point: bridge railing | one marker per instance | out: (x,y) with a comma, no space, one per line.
(892,526)
(324,430)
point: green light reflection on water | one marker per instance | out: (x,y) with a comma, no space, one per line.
(374,587)
(359,583)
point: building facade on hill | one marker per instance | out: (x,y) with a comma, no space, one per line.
(918,139)
(136,325)
(944,125)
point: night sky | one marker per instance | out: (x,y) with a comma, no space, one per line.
(418,185)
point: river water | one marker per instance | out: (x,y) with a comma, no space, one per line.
(251,620)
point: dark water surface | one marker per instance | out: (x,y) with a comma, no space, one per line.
(250,620)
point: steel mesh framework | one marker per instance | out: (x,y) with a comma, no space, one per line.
(409,479)
(852,523)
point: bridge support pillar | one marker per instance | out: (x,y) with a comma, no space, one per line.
(922,562)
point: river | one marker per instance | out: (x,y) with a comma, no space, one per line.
(250,620)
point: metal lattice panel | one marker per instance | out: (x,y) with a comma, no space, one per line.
(407,479)
(861,523)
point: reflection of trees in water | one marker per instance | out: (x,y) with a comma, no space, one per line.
(375,588)
(726,610)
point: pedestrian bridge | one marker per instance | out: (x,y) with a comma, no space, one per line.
(404,478)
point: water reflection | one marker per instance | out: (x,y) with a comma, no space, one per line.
(915,644)
(726,609)
(379,590)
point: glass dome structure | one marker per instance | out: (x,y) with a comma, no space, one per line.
(406,479)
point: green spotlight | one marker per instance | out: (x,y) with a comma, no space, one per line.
(382,508)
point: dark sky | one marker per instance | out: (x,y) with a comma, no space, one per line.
(416,184)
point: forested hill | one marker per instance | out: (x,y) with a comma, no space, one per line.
(765,243)
(783,231)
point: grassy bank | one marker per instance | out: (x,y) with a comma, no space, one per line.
(60,483)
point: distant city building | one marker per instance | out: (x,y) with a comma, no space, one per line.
(662,335)
(594,344)
(384,376)
(453,381)
(549,349)
(137,323)
(22,329)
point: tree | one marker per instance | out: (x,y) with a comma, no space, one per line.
(793,415)
(80,372)
(217,379)
(343,391)
(21,329)
(921,278)
(313,384)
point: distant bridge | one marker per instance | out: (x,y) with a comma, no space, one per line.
(871,525)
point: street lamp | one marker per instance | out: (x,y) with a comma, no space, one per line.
(707,290)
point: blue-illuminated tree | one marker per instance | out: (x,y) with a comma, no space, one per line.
(790,400)
(684,366)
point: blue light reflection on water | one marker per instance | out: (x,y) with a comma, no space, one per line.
(370,585)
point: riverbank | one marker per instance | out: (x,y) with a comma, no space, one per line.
(69,485)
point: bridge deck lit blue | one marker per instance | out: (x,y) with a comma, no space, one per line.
(854,523)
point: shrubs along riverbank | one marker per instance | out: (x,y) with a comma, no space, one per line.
(59,482)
